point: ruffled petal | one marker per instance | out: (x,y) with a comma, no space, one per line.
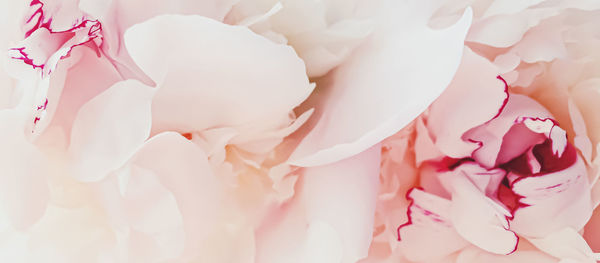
(363,103)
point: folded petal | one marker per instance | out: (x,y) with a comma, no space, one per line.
(385,85)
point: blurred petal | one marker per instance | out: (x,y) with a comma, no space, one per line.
(109,129)
(335,202)
(183,169)
(24,190)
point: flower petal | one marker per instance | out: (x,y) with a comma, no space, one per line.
(475,216)
(270,80)
(429,234)
(566,244)
(341,196)
(364,103)
(183,169)
(24,191)
(563,196)
(483,91)
(519,108)
(109,129)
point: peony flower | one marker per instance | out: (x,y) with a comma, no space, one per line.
(145,180)
(503,166)
(255,131)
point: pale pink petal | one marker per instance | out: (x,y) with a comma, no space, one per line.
(591,232)
(239,77)
(385,85)
(53,29)
(508,7)
(474,255)
(183,169)
(490,135)
(143,212)
(429,234)
(24,191)
(543,43)
(475,216)
(118,15)
(339,199)
(566,244)
(425,148)
(581,141)
(109,129)
(76,80)
(505,26)
(563,196)
(452,113)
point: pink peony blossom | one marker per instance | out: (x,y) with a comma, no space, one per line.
(299,131)
(503,166)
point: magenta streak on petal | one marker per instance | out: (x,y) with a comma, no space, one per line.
(505,102)
(408,211)
(40,20)
(25,58)
(43,107)
(92,34)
